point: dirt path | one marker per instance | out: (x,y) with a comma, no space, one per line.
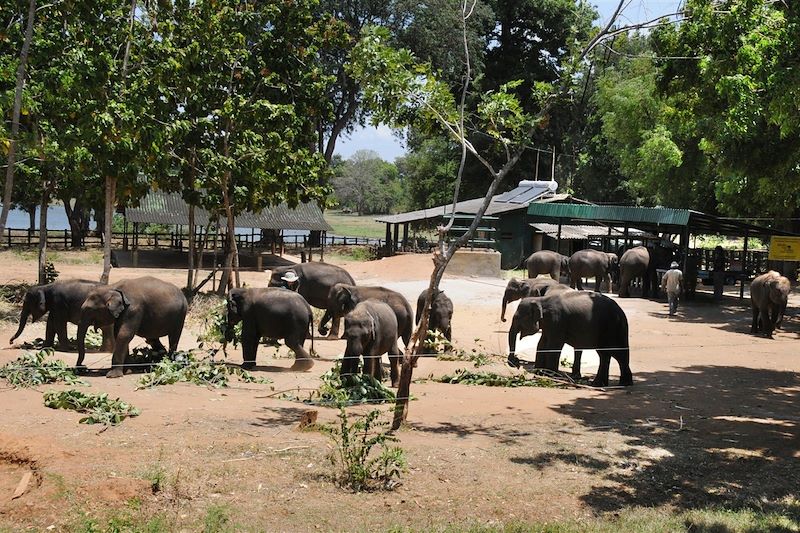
(712,419)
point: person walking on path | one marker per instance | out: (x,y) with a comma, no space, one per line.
(672,284)
(719,272)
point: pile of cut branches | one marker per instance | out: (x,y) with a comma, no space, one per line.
(490,379)
(98,407)
(34,369)
(187,368)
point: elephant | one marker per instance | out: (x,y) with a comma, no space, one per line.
(768,296)
(315,282)
(147,307)
(592,263)
(547,262)
(641,261)
(271,312)
(441,315)
(521,288)
(345,297)
(584,320)
(63,301)
(371,331)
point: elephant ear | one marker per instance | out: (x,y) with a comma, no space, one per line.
(117,303)
(41,302)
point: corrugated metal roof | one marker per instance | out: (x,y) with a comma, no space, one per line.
(633,215)
(583,232)
(160,207)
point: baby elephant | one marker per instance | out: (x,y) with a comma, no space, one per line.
(275,313)
(769,294)
(441,313)
(147,307)
(371,331)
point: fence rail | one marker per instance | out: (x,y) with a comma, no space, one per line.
(15,237)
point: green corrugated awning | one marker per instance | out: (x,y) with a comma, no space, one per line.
(621,214)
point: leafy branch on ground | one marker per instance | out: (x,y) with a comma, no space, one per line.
(187,368)
(336,389)
(94,339)
(479,356)
(215,325)
(34,369)
(490,379)
(351,454)
(14,293)
(99,408)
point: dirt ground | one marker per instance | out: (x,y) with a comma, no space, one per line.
(712,420)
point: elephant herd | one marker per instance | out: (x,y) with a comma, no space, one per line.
(374,317)
(637,262)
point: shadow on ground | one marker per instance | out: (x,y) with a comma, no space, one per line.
(702,436)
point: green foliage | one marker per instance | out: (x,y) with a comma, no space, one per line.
(367,184)
(50,272)
(215,325)
(98,408)
(94,339)
(354,225)
(187,368)
(217,519)
(478,356)
(490,379)
(34,369)
(351,454)
(352,389)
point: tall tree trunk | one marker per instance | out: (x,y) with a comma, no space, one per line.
(111,194)
(190,265)
(231,251)
(12,146)
(43,232)
(32,218)
(77,218)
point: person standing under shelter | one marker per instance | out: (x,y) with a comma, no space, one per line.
(672,284)
(719,272)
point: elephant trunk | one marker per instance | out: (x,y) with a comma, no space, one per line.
(23,320)
(512,345)
(507,297)
(82,328)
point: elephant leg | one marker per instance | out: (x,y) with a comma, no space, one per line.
(156,345)
(623,358)
(576,365)
(250,339)
(579,283)
(601,379)
(61,330)
(395,358)
(108,339)
(123,338)
(373,367)
(323,328)
(50,331)
(335,323)
(302,359)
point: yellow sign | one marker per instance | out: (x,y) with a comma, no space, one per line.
(784,248)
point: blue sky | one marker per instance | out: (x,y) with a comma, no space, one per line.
(389,147)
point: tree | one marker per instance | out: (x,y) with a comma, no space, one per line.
(242,93)
(428,171)
(367,184)
(731,65)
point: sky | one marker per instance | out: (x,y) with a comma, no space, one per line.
(389,147)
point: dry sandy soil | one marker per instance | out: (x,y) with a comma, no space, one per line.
(711,420)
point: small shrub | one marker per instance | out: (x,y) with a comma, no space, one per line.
(352,451)
(187,368)
(34,369)
(99,408)
(50,272)
(478,356)
(215,325)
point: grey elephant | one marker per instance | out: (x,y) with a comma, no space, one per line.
(769,294)
(641,261)
(592,263)
(584,320)
(522,288)
(441,315)
(147,307)
(275,313)
(547,262)
(63,301)
(371,331)
(344,298)
(315,281)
